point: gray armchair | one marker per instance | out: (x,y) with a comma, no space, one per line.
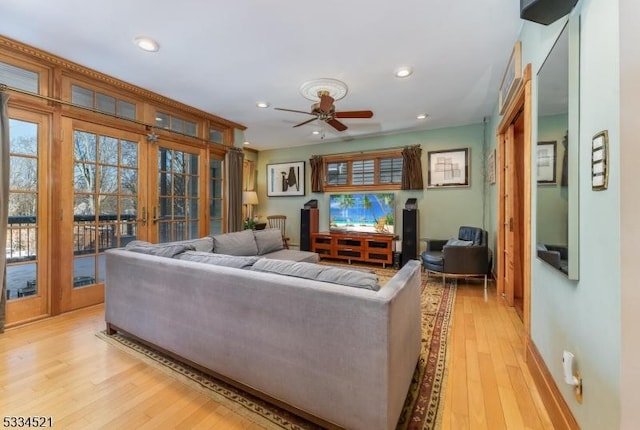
(467,256)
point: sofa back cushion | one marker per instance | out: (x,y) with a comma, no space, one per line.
(333,275)
(471,233)
(237,243)
(268,240)
(239,262)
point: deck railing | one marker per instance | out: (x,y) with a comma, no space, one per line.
(110,231)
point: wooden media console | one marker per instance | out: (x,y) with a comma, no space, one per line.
(354,246)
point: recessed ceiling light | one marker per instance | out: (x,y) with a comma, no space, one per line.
(315,132)
(262,104)
(246,142)
(147,44)
(403,72)
(422,116)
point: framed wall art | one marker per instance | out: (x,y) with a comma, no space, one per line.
(599,155)
(491,167)
(448,168)
(511,78)
(546,162)
(285,179)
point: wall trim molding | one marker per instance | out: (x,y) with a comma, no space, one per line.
(557,408)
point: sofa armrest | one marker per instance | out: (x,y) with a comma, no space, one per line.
(472,260)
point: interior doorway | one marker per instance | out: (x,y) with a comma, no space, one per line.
(514,201)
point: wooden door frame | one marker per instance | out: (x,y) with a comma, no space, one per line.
(520,102)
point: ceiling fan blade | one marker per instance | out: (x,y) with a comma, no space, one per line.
(354,114)
(336,124)
(305,122)
(326,102)
(297,111)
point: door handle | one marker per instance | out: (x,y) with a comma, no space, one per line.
(511,224)
(155,219)
(143,220)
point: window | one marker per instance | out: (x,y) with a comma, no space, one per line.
(174,123)
(216,201)
(17,77)
(367,171)
(215,136)
(102,102)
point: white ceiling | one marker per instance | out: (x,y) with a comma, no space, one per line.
(224,56)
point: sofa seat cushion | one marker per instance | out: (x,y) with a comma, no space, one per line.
(169,250)
(333,275)
(237,243)
(239,262)
(268,240)
(293,255)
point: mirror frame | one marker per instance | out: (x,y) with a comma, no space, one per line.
(572,26)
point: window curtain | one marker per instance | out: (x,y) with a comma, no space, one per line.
(412,168)
(234,162)
(4,202)
(248,181)
(249,175)
(316,163)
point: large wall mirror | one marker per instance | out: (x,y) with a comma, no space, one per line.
(557,153)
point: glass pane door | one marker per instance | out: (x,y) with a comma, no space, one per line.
(178,212)
(105,177)
(105,207)
(27,286)
(216,202)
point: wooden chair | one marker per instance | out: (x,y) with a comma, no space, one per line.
(279,221)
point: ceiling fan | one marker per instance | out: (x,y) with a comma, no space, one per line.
(324,110)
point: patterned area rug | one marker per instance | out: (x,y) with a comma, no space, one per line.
(423,401)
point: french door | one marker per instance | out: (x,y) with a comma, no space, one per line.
(28,283)
(102,202)
(119,188)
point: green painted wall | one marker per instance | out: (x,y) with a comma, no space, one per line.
(442,211)
(584,316)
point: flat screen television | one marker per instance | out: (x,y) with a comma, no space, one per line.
(362,212)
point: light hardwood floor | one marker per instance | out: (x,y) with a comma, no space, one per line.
(59,368)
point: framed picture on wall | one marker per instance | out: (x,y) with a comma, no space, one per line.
(448,168)
(546,162)
(285,179)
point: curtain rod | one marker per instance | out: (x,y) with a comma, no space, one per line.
(5,87)
(369,150)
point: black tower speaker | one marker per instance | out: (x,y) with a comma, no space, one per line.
(409,235)
(545,11)
(308,225)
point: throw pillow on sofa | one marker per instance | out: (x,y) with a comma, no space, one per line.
(268,240)
(333,275)
(169,250)
(459,242)
(237,243)
(239,262)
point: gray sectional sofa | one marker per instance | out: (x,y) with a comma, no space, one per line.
(323,341)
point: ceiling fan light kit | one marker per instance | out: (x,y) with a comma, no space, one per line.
(325,92)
